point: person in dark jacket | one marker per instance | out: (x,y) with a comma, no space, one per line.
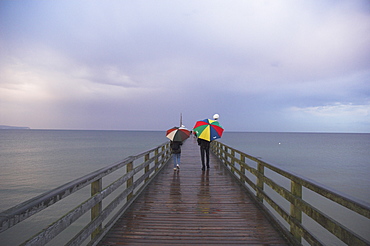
(204,148)
(176,152)
(204,152)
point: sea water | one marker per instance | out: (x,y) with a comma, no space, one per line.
(340,161)
(35,161)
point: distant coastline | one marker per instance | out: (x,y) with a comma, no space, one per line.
(2,127)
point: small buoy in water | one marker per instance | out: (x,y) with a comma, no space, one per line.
(279,143)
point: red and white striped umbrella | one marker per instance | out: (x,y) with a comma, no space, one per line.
(177,134)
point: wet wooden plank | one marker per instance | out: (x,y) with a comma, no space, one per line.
(193,207)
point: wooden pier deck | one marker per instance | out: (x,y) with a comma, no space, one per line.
(193,207)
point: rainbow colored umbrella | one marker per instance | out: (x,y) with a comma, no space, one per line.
(177,134)
(208,129)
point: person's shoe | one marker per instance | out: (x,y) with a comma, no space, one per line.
(178,166)
(203,168)
(207,167)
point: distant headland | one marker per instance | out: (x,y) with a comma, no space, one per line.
(2,127)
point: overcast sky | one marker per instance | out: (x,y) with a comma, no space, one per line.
(268,65)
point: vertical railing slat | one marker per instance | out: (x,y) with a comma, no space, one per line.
(232,161)
(96,187)
(242,168)
(261,172)
(295,212)
(130,181)
(147,167)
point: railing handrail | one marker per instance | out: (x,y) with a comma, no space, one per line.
(24,210)
(313,185)
(227,155)
(52,195)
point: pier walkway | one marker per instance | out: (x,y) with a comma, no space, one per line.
(142,200)
(193,207)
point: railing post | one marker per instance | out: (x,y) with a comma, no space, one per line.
(147,167)
(295,212)
(216,148)
(225,155)
(130,181)
(242,168)
(96,187)
(219,150)
(168,155)
(261,171)
(162,158)
(156,158)
(232,161)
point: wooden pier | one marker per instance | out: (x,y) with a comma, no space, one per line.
(239,200)
(192,206)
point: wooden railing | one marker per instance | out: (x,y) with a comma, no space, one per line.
(275,199)
(140,170)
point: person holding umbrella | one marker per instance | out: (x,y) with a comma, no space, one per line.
(177,135)
(207,130)
(204,152)
(176,152)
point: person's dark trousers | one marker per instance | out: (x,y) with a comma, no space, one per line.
(205,152)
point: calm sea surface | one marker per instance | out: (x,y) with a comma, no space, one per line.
(340,161)
(35,161)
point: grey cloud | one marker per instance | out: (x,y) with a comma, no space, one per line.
(251,60)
